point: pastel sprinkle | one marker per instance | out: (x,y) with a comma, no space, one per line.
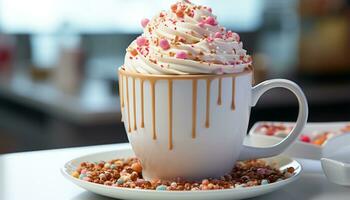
(141,41)
(236,36)
(164,44)
(181,55)
(264,182)
(113,166)
(161,187)
(144,22)
(82,176)
(86,179)
(120,181)
(229,34)
(201,24)
(211,21)
(218,35)
(83,171)
(261,171)
(210,39)
(75,174)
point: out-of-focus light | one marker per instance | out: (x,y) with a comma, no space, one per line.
(99,16)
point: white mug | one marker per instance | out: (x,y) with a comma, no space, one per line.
(193,126)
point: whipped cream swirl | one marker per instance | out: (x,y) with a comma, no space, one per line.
(187,39)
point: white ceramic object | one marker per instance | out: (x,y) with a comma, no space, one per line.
(173,152)
(298,149)
(125,193)
(336,160)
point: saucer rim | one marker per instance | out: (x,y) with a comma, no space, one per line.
(78,182)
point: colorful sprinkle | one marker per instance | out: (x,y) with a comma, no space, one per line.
(180,14)
(181,55)
(205,181)
(173,7)
(82,176)
(133,52)
(144,22)
(211,21)
(264,182)
(201,24)
(86,179)
(161,187)
(261,171)
(113,166)
(237,37)
(75,174)
(210,39)
(218,35)
(136,167)
(141,41)
(120,181)
(164,44)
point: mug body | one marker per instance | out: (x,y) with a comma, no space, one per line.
(186,126)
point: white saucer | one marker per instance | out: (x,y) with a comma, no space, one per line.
(126,193)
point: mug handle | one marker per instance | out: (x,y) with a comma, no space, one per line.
(250,152)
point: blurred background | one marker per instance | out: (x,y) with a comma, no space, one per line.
(59,60)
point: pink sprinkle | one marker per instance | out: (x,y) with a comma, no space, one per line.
(201,24)
(210,10)
(236,37)
(83,171)
(164,44)
(181,55)
(210,39)
(218,35)
(144,22)
(211,21)
(219,70)
(86,179)
(141,41)
(229,34)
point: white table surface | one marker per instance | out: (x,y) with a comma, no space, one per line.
(36,175)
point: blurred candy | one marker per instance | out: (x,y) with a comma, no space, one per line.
(305,138)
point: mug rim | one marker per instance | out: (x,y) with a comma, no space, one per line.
(122,71)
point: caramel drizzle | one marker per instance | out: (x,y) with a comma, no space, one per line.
(153,79)
(207,104)
(121,94)
(194,107)
(134,102)
(233,104)
(220,91)
(127,102)
(142,106)
(170,108)
(121,88)
(152,82)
